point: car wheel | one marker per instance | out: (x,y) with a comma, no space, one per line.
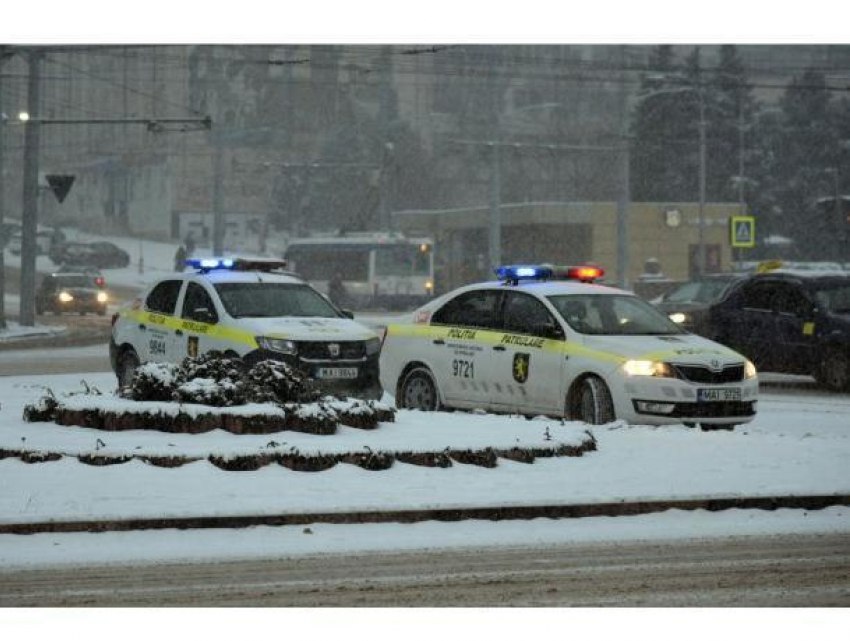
(418,391)
(128,363)
(595,403)
(835,372)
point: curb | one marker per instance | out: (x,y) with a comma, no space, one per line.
(816,502)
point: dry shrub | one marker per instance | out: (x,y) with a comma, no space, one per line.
(483,458)
(257,424)
(80,418)
(166,461)
(300,463)
(43,410)
(246,463)
(100,460)
(425,459)
(518,454)
(373,461)
(39,457)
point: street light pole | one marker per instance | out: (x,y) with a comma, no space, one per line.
(495,227)
(29,224)
(701,257)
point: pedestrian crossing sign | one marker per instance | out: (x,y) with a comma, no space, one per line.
(743,229)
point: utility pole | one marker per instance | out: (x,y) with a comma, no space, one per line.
(29,224)
(3,238)
(624,197)
(217,195)
(494,235)
(701,254)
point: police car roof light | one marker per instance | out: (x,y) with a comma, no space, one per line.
(206,264)
(585,273)
(515,273)
(235,264)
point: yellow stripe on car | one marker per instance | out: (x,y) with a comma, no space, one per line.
(214,330)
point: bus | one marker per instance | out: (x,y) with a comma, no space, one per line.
(377,271)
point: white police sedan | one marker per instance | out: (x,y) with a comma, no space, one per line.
(252,310)
(545,340)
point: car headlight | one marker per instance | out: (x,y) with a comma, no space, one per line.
(750,370)
(373,346)
(679,317)
(102,297)
(647,368)
(65,297)
(281,345)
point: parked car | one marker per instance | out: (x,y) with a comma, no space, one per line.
(45,240)
(98,254)
(688,304)
(70,292)
(791,322)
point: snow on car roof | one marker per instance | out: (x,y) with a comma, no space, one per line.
(553,287)
(228,276)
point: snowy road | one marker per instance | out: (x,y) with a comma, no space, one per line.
(789,570)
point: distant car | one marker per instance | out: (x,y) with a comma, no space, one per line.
(70,292)
(688,304)
(791,322)
(45,240)
(98,254)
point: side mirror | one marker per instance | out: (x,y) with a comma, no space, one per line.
(348,313)
(203,315)
(548,330)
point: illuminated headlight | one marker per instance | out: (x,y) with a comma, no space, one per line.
(647,368)
(280,345)
(373,346)
(750,370)
(429,285)
(102,297)
(65,297)
(679,317)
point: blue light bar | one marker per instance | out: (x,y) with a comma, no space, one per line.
(206,264)
(515,273)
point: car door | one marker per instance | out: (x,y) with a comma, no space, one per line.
(197,331)
(746,322)
(795,344)
(157,328)
(462,354)
(527,372)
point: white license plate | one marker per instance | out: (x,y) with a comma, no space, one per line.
(336,372)
(722,394)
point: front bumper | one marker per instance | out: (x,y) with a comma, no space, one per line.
(678,399)
(366,385)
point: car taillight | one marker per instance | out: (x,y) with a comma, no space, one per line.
(100,281)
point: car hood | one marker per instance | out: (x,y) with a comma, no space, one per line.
(307,329)
(678,348)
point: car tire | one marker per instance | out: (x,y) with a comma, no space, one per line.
(128,363)
(595,405)
(834,372)
(418,391)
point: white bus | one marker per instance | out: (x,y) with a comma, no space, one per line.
(377,271)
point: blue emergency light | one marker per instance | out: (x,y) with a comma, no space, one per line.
(514,273)
(206,264)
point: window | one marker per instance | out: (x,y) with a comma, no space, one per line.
(198,298)
(790,300)
(163,297)
(758,296)
(613,316)
(471,309)
(835,299)
(525,314)
(273,300)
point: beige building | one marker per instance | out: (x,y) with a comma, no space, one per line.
(575,232)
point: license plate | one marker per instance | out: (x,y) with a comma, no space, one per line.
(336,372)
(722,394)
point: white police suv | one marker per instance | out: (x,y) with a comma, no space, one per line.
(252,310)
(545,340)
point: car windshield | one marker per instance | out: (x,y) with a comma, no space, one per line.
(698,291)
(74,280)
(613,315)
(834,299)
(273,300)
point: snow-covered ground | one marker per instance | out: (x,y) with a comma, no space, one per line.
(187,546)
(798,445)
(14,331)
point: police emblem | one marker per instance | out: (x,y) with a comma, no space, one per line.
(333,349)
(522,362)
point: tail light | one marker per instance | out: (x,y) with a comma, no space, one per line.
(100,281)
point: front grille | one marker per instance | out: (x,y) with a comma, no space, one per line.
(701,374)
(320,350)
(712,409)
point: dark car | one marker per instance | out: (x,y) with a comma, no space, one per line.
(796,323)
(688,304)
(71,292)
(98,254)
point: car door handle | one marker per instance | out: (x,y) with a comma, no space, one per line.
(499,348)
(439,341)
(143,327)
(179,332)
